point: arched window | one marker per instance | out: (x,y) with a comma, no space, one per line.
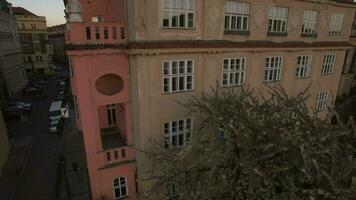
(120,187)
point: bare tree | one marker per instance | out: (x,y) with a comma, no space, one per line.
(256,148)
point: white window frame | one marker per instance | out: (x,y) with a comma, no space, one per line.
(177,71)
(273,66)
(321,101)
(336,23)
(237,16)
(173,130)
(277,16)
(328,63)
(310,21)
(303,66)
(119,187)
(97,19)
(178,8)
(233,71)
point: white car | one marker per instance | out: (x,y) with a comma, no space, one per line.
(53,126)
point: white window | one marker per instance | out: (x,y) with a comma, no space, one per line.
(120,188)
(277,19)
(310,18)
(234,71)
(336,22)
(236,16)
(178,76)
(97,19)
(177,133)
(328,64)
(111,114)
(303,66)
(177,13)
(273,68)
(321,101)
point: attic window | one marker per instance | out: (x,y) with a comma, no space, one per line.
(97,19)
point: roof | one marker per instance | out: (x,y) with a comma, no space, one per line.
(21,11)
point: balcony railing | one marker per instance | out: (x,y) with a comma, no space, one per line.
(96,33)
(111,138)
(121,154)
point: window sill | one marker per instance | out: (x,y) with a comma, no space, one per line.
(328,74)
(176,92)
(271,81)
(233,32)
(121,198)
(302,78)
(178,28)
(310,35)
(232,86)
(334,34)
(279,34)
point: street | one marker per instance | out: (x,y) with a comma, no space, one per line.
(40,175)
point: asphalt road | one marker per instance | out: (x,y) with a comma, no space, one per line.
(40,175)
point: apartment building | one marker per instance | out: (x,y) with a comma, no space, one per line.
(12,68)
(57,40)
(37,52)
(131,61)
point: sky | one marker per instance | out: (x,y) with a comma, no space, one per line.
(51,9)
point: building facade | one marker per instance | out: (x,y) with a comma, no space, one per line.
(57,39)
(12,68)
(132,61)
(36,50)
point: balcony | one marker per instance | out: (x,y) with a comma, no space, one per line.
(111,138)
(96,33)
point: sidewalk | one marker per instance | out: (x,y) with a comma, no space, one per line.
(14,167)
(74,151)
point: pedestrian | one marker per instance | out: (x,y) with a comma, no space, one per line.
(75,167)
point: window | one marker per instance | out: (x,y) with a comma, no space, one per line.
(321,100)
(303,66)
(237,16)
(328,64)
(88,33)
(273,68)
(23,26)
(97,19)
(177,13)
(309,22)
(122,29)
(178,76)
(234,71)
(277,19)
(111,114)
(120,187)
(106,33)
(336,23)
(33,26)
(97,33)
(177,133)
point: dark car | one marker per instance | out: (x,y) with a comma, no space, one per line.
(32,91)
(26,107)
(61,97)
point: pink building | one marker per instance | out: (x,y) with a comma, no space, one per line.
(133,60)
(100,87)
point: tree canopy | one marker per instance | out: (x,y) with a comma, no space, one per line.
(246,146)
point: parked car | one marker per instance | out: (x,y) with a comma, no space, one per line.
(61,97)
(26,107)
(13,112)
(32,91)
(56,126)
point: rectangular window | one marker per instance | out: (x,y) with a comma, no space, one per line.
(122,29)
(111,114)
(322,101)
(328,64)
(234,71)
(236,15)
(97,33)
(277,19)
(336,22)
(273,69)
(97,19)
(106,33)
(178,13)
(303,66)
(309,22)
(177,133)
(178,75)
(88,33)
(23,26)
